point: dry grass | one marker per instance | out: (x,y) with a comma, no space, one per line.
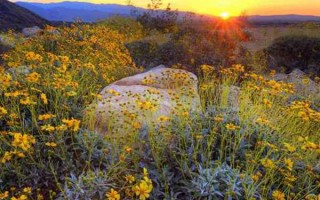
(264,36)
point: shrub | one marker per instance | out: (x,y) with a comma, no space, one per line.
(144,53)
(127,26)
(192,48)
(295,52)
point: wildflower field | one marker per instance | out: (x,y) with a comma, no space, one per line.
(254,138)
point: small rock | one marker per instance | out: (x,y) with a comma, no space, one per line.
(302,83)
(16,71)
(29,32)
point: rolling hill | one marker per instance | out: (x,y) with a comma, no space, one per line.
(15,17)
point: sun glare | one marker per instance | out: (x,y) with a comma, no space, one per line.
(225,15)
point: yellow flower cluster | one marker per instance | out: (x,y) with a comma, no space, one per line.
(23,141)
(33,77)
(5,80)
(32,56)
(304,111)
(141,189)
(9,154)
(72,124)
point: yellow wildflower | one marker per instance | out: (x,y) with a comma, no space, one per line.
(46,116)
(113,195)
(22,197)
(143,190)
(267,163)
(256,177)
(278,195)
(33,77)
(146,105)
(51,144)
(232,127)
(44,98)
(262,121)
(48,128)
(27,190)
(218,119)
(6,157)
(206,68)
(40,197)
(145,172)
(71,94)
(113,92)
(272,72)
(267,103)
(3,111)
(61,128)
(136,125)
(289,163)
(129,178)
(163,119)
(289,147)
(4,195)
(128,149)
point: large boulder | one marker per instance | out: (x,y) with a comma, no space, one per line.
(151,98)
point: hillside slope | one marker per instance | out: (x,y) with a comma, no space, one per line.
(15,17)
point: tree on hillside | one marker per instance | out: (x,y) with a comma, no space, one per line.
(155,18)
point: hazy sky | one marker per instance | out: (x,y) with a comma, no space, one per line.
(234,7)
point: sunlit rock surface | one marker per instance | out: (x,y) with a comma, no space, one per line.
(149,98)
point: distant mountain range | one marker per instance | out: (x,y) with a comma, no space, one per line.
(15,17)
(89,12)
(283,19)
(70,11)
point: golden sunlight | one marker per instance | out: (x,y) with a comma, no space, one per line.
(225,15)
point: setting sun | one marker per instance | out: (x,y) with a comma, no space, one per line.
(225,15)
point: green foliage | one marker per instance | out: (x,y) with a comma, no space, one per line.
(92,185)
(296,52)
(222,182)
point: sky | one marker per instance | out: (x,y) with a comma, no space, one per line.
(234,7)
